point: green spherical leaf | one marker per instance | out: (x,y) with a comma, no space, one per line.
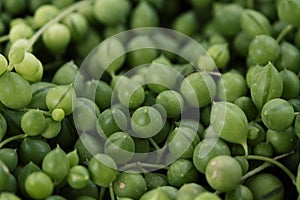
(111,55)
(85,114)
(77,24)
(282,141)
(29,66)
(4,172)
(172,102)
(9,157)
(110,121)
(111,12)
(103,170)
(230,122)
(231,86)
(144,15)
(289,11)
(120,146)
(155,194)
(223,173)
(228,24)
(56,164)
(266,85)
(146,122)
(190,190)
(60,97)
(56,38)
(182,142)
(33,150)
(240,192)
(130,93)
(180,172)
(198,89)
(255,23)
(78,177)
(21,96)
(264,49)
(208,149)
(38,185)
(44,14)
(33,122)
(3,126)
(274,108)
(186,23)
(265,184)
(130,185)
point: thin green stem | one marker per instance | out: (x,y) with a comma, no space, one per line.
(112,74)
(4,38)
(273,161)
(157,148)
(111,192)
(256,170)
(102,193)
(263,166)
(245,147)
(10,67)
(218,74)
(283,33)
(59,17)
(11,139)
(128,166)
(283,155)
(46,113)
(140,165)
(154,144)
(141,169)
(149,165)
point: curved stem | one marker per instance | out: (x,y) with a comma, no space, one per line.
(140,165)
(13,138)
(283,33)
(10,67)
(102,193)
(111,74)
(245,147)
(256,170)
(142,170)
(263,166)
(64,13)
(111,192)
(4,38)
(148,165)
(46,113)
(156,147)
(273,161)
(218,74)
(154,144)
